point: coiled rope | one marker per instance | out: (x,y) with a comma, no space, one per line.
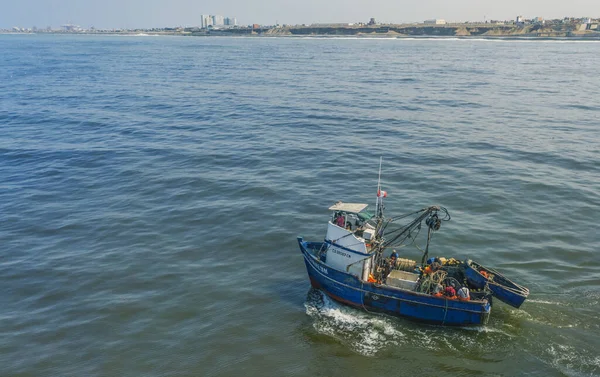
(432,280)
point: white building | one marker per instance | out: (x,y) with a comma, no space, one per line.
(206,21)
(71,27)
(230,21)
(218,20)
(435,22)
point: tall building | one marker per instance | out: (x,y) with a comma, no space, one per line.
(206,21)
(230,21)
(218,20)
(212,20)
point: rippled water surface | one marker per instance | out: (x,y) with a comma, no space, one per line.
(153,188)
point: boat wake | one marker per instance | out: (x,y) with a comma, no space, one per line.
(569,360)
(546,302)
(365,334)
(369,334)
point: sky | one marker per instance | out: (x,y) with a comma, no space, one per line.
(171,13)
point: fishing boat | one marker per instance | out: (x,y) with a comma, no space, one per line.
(357,264)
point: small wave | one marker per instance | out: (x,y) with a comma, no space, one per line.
(499,39)
(429,39)
(533,40)
(487,330)
(366,334)
(349,38)
(569,360)
(544,302)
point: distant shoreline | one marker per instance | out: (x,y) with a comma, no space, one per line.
(330,36)
(549,31)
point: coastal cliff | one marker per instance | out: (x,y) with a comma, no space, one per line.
(451,30)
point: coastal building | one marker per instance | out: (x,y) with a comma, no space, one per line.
(205,21)
(71,27)
(435,22)
(218,20)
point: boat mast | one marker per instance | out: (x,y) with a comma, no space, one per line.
(377,265)
(379,203)
(379,215)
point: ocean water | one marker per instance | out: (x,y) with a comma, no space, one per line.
(152,189)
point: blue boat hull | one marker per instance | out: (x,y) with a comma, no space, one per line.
(501,287)
(349,290)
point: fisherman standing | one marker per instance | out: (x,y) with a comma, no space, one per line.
(389,264)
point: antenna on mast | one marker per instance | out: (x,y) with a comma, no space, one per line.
(379,179)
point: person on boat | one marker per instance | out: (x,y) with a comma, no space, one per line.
(450,293)
(463,294)
(438,290)
(340,220)
(393,259)
(389,264)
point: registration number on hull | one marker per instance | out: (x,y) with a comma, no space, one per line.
(319,268)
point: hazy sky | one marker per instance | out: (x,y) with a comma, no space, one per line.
(158,13)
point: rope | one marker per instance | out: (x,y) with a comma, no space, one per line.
(405,264)
(362,296)
(430,281)
(405,232)
(322,250)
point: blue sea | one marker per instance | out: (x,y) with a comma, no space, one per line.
(152,189)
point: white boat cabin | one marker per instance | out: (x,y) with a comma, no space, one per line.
(348,234)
